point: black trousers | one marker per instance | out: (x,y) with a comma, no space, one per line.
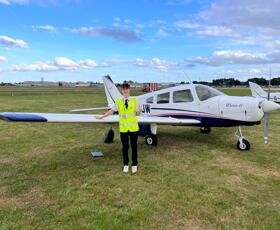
(133,138)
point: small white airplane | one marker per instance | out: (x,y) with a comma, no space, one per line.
(183,105)
(258,92)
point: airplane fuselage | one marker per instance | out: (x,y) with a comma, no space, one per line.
(275,97)
(212,109)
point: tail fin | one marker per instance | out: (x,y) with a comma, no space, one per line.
(257,91)
(112,92)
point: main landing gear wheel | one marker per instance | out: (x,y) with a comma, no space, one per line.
(242,143)
(205,130)
(109,136)
(151,139)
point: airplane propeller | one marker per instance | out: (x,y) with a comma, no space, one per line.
(266,114)
(268,106)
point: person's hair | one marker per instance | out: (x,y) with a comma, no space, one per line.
(125,85)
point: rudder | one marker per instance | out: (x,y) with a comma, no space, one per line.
(112,92)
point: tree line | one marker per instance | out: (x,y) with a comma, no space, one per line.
(231,82)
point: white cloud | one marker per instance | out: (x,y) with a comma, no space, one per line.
(252,40)
(48,28)
(38,66)
(2,59)
(157,63)
(139,62)
(244,73)
(201,30)
(88,63)
(233,57)
(119,34)
(187,25)
(10,42)
(207,30)
(127,21)
(251,18)
(177,2)
(161,33)
(217,31)
(66,64)
(247,22)
(163,65)
(140,26)
(59,64)
(8,2)
(251,13)
(38,2)
(117,19)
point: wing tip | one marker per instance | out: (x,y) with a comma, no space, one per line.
(22,117)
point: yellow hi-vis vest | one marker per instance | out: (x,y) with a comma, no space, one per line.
(127,116)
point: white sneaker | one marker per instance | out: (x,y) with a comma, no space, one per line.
(134,169)
(125,169)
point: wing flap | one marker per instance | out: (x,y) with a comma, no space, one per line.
(166,121)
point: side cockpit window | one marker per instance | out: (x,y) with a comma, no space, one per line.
(150,100)
(163,98)
(182,96)
(204,92)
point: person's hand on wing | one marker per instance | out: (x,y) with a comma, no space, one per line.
(99,117)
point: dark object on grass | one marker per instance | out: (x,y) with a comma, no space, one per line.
(109,136)
(97,154)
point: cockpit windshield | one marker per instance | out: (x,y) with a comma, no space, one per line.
(204,92)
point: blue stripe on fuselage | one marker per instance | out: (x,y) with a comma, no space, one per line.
(206,121)
(213,121)
(181,110)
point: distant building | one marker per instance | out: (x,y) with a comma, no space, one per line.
(82,84)
(59,83)
(39,83)
(149,87)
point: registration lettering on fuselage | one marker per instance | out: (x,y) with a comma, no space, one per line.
(233,105)
(146,108)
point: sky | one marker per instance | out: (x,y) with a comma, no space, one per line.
(143,40)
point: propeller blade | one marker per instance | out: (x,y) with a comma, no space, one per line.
(269,85)
(266,127)
(269,106)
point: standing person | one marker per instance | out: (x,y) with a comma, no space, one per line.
(128,108)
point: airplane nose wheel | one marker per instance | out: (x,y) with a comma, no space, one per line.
(242,143)
(151,139)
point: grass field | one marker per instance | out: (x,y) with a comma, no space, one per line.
(189,181)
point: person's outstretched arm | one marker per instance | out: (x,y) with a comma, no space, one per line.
(108,113)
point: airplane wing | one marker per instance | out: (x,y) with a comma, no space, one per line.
(89,118)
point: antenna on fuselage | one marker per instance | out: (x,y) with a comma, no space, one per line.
(188,77)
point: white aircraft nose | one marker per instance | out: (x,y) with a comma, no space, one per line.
(269,106)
